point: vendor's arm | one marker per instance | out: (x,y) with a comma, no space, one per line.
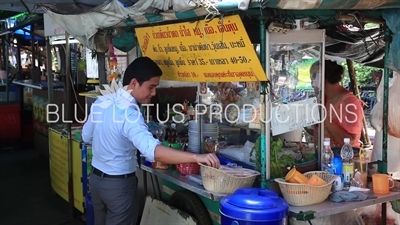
(143,140)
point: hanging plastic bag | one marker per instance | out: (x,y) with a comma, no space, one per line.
(376,116)
(376,112)
(394,107)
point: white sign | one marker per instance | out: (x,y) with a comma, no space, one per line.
(295,115)
(92,67)
(51,28)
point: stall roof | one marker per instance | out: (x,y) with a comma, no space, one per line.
(362,46)
(79,6)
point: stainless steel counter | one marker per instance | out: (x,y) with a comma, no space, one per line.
(176,178)
(327,207)
(40,86)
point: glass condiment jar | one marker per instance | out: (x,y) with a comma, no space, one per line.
(173,134)
(210,145)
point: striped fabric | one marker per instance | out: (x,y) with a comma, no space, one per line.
(280,4)
(187,15)
(332,4)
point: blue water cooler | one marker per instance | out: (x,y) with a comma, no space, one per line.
(253,206)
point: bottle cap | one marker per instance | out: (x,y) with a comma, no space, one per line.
(346,140)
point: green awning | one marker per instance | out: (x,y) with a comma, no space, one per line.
(332,4)
(7,14)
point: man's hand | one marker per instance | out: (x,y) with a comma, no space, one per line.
(208,159)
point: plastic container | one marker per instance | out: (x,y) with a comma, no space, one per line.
(253,206)
(175,145)
(338,164)
(188,168)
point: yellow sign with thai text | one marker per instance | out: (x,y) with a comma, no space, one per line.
(58,149)
(214,51)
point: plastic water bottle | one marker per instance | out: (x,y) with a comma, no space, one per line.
(327,157)
(347,155)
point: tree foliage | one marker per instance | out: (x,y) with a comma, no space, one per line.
(365,75)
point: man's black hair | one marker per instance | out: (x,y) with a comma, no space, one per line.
(143,69)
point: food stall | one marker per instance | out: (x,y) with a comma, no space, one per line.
(282,47)
(276,47)
(17,40)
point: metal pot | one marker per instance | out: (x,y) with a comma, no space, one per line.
(292,136)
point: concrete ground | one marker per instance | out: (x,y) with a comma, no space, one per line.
(26,197)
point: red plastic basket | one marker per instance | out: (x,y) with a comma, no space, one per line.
(188,168)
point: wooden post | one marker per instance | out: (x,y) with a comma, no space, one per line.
(353,80)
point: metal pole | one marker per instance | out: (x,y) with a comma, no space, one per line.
(321,95)
(101,60)
(268,107)
(7,64)
(20,75)
(49,71)
(69,117)
(382,166)
(33,47)
(265,131)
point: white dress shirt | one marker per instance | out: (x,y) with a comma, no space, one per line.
(116,128)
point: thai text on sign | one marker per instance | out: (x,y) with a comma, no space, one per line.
(215,51)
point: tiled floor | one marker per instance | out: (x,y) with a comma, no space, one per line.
(26,197)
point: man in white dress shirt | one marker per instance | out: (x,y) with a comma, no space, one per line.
(116,128)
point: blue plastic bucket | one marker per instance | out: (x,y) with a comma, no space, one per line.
(253,206)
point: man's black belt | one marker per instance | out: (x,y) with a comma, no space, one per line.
(101,174)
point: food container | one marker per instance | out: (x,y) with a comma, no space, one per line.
(175,145)
(210,145)
(188,168)
(160,165)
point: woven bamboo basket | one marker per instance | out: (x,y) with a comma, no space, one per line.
(305,194)
(226,180)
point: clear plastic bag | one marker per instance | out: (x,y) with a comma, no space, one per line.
(394,107)
(376,116)
(347,218)
(373,215)
(376,112)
